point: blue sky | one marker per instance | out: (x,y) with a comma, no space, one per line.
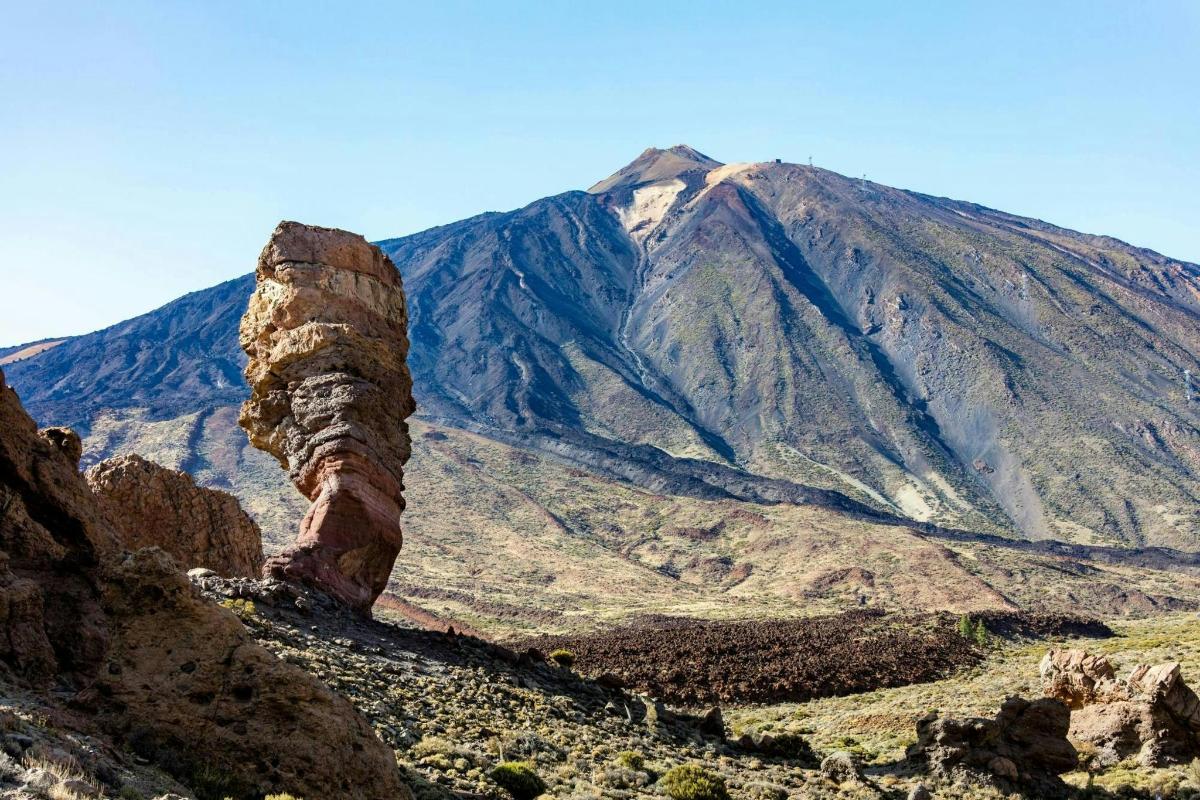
(148,149)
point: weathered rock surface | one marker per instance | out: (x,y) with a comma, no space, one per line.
(1077,678)
(66,440)
(171,674)
(191,686)
(152,506)
(1151,716)
(1025,747)
(326,334)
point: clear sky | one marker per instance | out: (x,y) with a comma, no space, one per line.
(148,149)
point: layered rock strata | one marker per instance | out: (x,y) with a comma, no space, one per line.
(326,336)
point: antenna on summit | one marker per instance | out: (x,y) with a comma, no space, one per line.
(810,161)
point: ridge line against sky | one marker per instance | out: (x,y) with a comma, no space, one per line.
(148,149)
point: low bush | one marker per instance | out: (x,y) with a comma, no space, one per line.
(631,759)
(563,657)
(519,779)
(692,782)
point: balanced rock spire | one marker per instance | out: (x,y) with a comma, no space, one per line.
(326,334)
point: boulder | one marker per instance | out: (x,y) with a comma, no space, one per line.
(1024,748)
(326,336)
(152,506)
(840,767)
(777,744)
(1151,716)
(165,672)
(193,688)
(1077,678)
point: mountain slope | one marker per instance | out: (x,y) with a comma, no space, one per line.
(939,359)
(762,332)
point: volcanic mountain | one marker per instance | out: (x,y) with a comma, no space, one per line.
(753,336)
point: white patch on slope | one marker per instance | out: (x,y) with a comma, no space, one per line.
(717,175)
(650,204)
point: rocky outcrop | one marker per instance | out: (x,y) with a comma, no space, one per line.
(326,334)
(1151,716)
(1078,679)
(152,506)
(169,674)
(192,688)
(1024,748)
(66,440)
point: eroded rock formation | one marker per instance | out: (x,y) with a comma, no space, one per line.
(326,333)
(1024,748)
(170,674)
(152,506)
(1151,716)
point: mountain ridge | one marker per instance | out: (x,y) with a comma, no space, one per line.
(785,322)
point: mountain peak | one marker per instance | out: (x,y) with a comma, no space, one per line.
(655,164)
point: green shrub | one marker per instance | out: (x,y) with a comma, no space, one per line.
(563,657)
(966,628)
(284,796)
(692,782)
(243,608)
(981,635)
(519,779)
(631,759)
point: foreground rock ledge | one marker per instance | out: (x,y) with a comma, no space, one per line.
(326,333)
(137,650)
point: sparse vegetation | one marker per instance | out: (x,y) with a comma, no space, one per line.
(245,609)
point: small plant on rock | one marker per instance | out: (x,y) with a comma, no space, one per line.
(693,782)
(243,608)
(519,779)
(563,657)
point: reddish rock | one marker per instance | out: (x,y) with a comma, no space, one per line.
(152,506)
(165,672)
(326,334)
(66,440)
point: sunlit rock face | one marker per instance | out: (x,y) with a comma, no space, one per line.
(326,336)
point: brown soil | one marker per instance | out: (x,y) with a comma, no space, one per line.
(689,662)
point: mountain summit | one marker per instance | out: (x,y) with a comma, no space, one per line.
(768,333)
(655,165)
